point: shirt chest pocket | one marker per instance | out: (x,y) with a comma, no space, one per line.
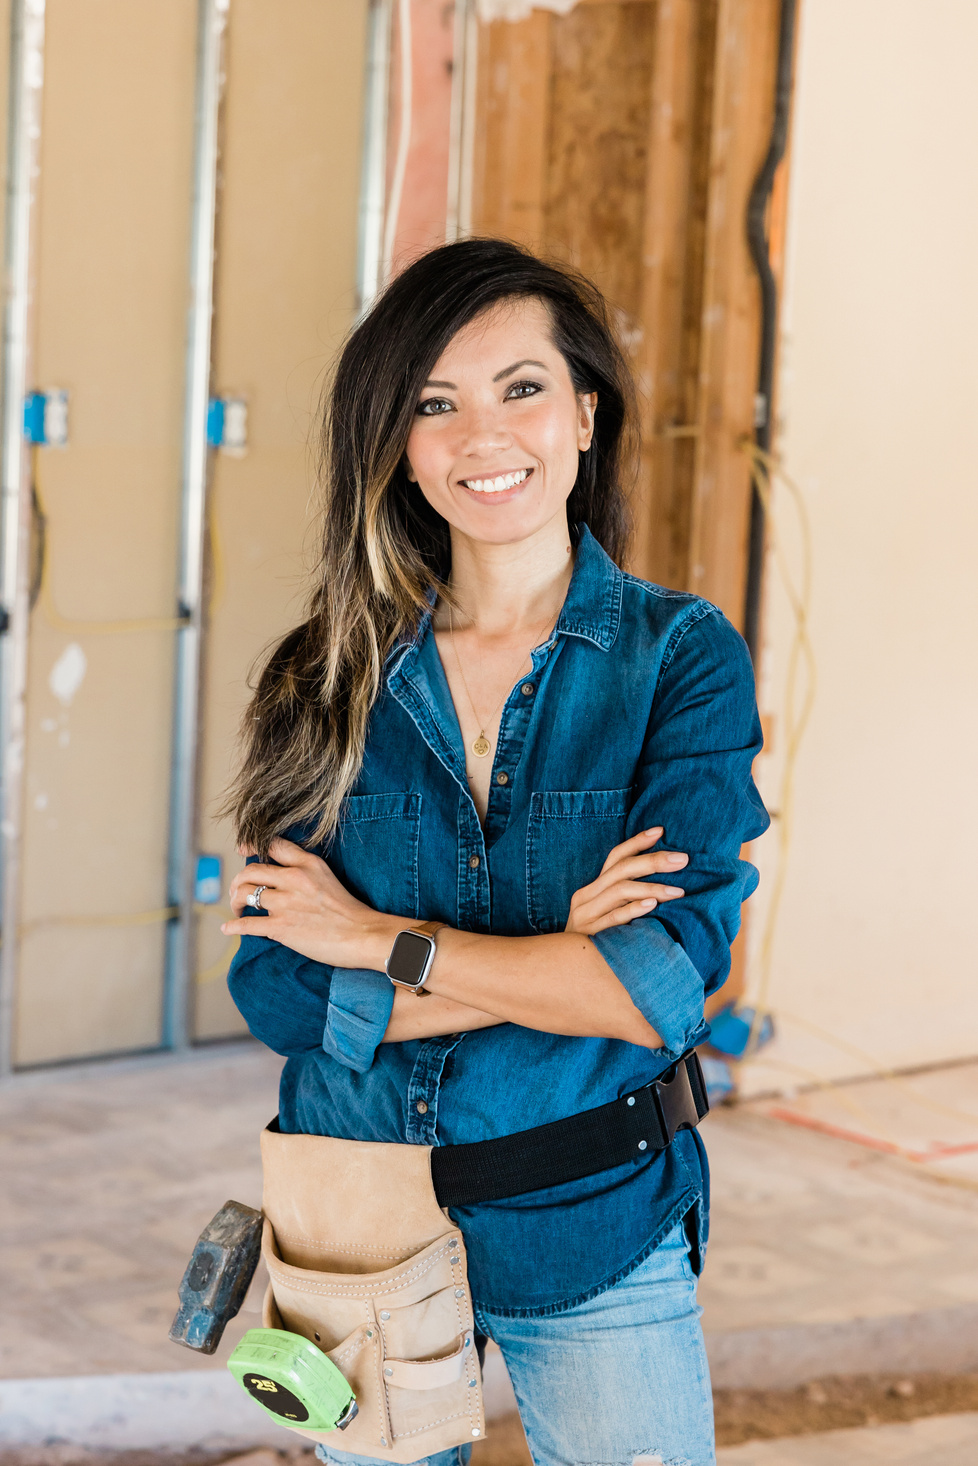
(376,850)
(569,835)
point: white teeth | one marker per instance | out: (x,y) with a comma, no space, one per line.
(496,485)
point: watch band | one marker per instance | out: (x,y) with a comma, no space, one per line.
(428,928)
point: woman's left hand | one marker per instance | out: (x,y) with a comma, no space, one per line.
(310,911)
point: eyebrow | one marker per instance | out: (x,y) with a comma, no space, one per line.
(507,372)
(527,361)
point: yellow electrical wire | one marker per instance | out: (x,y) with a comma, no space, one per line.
(814,1081)
(219,968)
(766,468)
(897,1080)
(218,582)
(762,466)
(142,918)
(136,918)
(71,625)
(147,623)
(85,628)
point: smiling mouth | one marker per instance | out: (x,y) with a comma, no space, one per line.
(497,485)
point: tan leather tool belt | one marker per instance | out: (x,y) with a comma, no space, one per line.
(365,1263)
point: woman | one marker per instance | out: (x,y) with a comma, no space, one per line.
(487,725)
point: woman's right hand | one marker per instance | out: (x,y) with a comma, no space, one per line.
(618,895)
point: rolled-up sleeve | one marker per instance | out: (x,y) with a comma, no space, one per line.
(294,1005)
(360,1006)
(283,997)
(695,780)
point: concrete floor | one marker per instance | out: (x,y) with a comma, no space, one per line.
(808,1229)
(826,1256)
(111,1173)
(951,1440)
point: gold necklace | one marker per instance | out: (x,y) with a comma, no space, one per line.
(481,747)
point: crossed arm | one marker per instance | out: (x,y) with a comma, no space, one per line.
(558,983)
(695,774)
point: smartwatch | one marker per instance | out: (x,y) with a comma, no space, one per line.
(411,957)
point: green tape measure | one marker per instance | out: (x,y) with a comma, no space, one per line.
(293,1380)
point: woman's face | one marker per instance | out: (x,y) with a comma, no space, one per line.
(498,429)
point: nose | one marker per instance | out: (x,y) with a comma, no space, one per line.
(484,431)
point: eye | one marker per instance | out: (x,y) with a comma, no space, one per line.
(433,407)
(524,389)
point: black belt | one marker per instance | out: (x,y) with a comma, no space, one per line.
(582,1145)
(568,1150)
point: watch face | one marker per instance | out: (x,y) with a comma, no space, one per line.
(409,958)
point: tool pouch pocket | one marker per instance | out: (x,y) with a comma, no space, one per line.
(364,1262)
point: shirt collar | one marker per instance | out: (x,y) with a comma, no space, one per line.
(591,609)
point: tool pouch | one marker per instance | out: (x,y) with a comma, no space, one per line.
(365,1263)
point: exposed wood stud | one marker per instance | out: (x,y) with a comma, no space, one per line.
(624,137)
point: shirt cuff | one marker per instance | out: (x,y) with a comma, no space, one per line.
(360,1005)
(659,977)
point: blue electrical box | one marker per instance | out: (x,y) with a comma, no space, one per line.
(730,1031)
(207,887)
(215,422)
(34,417)
(46,418)
(227,424)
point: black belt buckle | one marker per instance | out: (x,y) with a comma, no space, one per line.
(676,1101)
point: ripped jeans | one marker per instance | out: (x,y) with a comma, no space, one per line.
(620,1379)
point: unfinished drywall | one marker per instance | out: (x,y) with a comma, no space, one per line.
(874,955)
(286,270)
(113,222)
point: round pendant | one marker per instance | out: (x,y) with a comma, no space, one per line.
(481,746)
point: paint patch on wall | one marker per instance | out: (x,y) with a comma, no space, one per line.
(68,673)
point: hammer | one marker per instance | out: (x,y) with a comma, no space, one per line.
(220,1269)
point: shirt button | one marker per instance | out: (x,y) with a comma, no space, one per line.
(474,862)
(421,1107)
(527,689)
(502,778)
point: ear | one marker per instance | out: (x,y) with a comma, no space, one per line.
(587,402)
(409,470)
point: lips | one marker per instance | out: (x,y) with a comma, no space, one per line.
(497,485)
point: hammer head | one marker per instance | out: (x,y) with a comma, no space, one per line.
(217,1277)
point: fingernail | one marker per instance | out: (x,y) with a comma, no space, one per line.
(674,858)
(649,902)
(655,830)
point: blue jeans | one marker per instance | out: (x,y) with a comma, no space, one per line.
(620,1379)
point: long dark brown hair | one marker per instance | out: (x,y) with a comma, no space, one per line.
(384,549)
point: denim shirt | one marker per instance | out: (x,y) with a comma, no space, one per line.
(639,711)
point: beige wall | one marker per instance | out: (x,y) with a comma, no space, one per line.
(285,298)
(875,946)
(112,300)
(113,219)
